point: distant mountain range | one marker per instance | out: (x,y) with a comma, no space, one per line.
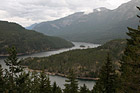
(27,41)
(98,27)
(31,26)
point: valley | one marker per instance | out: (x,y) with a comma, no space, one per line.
(69,46)
(86,63)
(96,27)
(55,78)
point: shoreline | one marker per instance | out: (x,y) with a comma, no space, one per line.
(30,53)
(62,75)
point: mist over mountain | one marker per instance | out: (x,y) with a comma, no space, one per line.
(98,27)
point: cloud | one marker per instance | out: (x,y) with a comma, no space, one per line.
(3,14)
(27,12)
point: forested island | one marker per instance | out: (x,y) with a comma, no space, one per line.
(85,63)
(27,41)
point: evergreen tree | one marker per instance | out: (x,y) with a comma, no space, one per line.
(56,89)
(2,81)
(22,83)
(107,81)
(72,84)
(84,89)
(35,84)
(130,65)
(44,86)
(14,68)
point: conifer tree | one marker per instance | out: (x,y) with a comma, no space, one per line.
(22,83)
(130,69)
(72,84)
(2,81)
(84,89)
(34,82)
(107,81)
(55,88)
(14,68)
(45,86)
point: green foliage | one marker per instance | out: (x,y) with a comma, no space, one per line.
(44,85)
(85,63)
(34,82)
(27,41)
(107,79)
(14,68)
(12,61)
(22,83)
(130,68)
(2,80)
(16,81)
(56,89)
(84,89)
(72,84)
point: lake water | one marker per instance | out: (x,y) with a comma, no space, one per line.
(58,79)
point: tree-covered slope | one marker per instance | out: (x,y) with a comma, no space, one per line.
(85,63)
(27,41)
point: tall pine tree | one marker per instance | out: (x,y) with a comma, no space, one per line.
(14,69)
(44,83)
(107,81)
(72,84)
(130,69)
(84,89)
(55,88)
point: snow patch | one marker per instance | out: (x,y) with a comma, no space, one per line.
(98,9)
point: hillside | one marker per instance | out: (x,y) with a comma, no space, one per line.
(27,41)
(96,27)
(85,63)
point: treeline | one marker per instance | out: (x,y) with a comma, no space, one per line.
(27,41)
(15,80)
(85,63)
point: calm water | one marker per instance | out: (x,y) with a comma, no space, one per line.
(58,79)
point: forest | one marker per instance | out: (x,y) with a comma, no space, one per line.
(125,80)
(85,63)
(27,41)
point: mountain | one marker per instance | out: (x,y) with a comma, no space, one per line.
(31,26)
(97,27)
(27,41)
(85,63)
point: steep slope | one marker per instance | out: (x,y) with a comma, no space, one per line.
(85,63)
(27,41)
(57,27)
(98,27)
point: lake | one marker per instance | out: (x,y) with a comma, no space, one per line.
(58,79)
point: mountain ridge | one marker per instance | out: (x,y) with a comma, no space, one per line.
(93,27)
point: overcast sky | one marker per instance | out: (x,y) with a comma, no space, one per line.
(27,12)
